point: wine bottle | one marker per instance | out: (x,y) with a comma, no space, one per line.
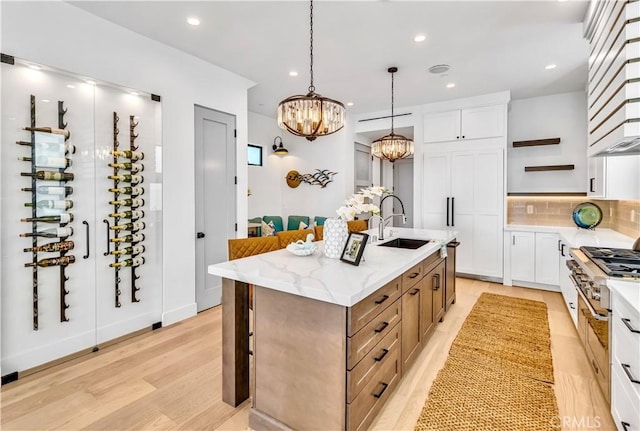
(53,130)
(134,214)
(49,175)
(65,204)
(69,148)
(133,179)
(135,191)
(49,162)
(136,237)
(53,261)
(135,261)
(135,249)
(133,226)
(56,232)
(51,190)
(128,154)
(62,218)
(52,247)
(133,167)
(133,202)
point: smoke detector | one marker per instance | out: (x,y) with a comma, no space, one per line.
(439,69)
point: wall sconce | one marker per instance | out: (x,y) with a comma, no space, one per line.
(279,149)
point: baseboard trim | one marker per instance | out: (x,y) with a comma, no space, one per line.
(178,314)
(539,286)
(480,277)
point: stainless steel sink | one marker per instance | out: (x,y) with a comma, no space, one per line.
(405,243)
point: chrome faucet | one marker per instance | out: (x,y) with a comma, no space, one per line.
(403,214)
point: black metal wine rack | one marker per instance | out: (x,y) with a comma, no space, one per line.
(125,205)
(33,128)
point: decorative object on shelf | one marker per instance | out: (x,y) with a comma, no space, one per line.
(319,178)
(536,142)
(310,115)
(132,225)
(392,146)
(354,248)
(303,248)
(587,215)
(549,168)
(49,149)
(279,149)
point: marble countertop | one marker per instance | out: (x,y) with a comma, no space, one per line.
(576,237)
(331,280)
(629,290)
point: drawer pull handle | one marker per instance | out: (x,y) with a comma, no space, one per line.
(381,300)
(414,275)
(414,292)
(436,282)
(381,327)
(572,306)
(625,425)
(382,355)
(627,370)
(384,388)
(627,323)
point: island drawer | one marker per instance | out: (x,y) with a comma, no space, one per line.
(412,276)
(431,262)
(364,408)
(372,362)
(362,313)
(366,339)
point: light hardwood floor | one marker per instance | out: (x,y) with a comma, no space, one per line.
(170,379)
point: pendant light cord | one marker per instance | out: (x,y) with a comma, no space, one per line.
(312,89)
(392,73)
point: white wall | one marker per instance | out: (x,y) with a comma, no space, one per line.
(561,116)
(62,36)
(268,185)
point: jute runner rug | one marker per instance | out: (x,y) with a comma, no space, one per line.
(497,373)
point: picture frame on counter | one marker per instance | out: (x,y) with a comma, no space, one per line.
(354,248)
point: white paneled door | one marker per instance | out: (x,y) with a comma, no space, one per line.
(215,198)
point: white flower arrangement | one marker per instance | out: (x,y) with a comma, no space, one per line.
(357,204)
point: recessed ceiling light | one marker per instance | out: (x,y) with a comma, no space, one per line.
(293,73)
(46,100)
(193,21)
(550,66)
(71,86)
(90,82)
(34,67)
(349,103)
(451,85)
(419,38)
(439,69)
(134,93)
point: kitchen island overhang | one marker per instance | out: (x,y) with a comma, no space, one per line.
(327,289)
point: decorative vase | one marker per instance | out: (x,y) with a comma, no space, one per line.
(334,235)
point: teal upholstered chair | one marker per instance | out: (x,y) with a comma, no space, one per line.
(293,222)
(277,222)
(257,220)
(319,221)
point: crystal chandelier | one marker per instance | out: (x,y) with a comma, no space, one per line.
(310,115)
(392,147)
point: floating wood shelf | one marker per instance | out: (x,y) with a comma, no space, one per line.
(549,168)
(537,142)
(543,194)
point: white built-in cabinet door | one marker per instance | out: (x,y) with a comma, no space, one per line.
(614,177)
(567,287)
(459,124)
(547,262)
(464,191)
(523,256)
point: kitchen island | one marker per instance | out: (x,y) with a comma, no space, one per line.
(331,339)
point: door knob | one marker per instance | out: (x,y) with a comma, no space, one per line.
(200,235)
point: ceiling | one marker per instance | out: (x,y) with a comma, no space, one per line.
(490,46)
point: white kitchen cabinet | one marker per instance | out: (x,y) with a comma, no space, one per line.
(470,123)
(567,287)
(464,190)
(523,254)
(534,258)
(547,262)
(614,177)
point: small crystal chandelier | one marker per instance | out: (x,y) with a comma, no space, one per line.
(310,115)
(392,147)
